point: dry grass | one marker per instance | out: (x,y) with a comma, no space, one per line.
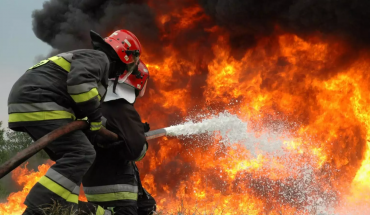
(58,209)
(183,209)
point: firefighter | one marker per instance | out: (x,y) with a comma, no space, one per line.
(55,92)
(113,179)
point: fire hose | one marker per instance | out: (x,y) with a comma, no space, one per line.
(41,143)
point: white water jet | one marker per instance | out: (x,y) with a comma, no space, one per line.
(232,130)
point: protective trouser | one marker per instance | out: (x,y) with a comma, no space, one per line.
(73,154)
(120,202)
(146,203)
(110,185)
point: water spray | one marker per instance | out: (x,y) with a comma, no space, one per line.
(230,127)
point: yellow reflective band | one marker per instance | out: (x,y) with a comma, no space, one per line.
(141,157)
(72,198)
(100,211)
(39,64)
(107,197)
(59,190)
(94,126)
(143,153)
(96,123)
(60,61)
(83,119)
(39,116)
(83,97)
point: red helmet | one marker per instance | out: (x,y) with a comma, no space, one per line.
(126,45)
(122,42)
(137,79)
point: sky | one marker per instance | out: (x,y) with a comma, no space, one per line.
(19,47)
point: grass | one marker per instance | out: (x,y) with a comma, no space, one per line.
(58,209)
(185,210)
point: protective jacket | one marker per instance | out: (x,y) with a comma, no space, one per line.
(51,94)
(112,179)
(65,86)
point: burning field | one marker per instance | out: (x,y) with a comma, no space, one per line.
(298,69)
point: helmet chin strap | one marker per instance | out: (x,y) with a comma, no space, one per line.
(115,83)
(117,74)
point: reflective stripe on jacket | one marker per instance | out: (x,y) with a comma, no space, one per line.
(65,86)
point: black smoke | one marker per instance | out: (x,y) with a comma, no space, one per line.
(65,24)
(247,20)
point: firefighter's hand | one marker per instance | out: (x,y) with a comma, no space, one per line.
(146,127)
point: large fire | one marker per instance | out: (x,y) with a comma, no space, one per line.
(316,87)
(27,178)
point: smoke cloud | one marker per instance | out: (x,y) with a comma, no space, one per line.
(249,19)
(65,24)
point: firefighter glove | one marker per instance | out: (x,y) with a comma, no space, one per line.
(146,127)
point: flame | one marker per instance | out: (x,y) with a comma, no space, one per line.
(305,84)
(316,88)
(26,178)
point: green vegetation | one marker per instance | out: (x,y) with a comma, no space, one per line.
(10,143)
